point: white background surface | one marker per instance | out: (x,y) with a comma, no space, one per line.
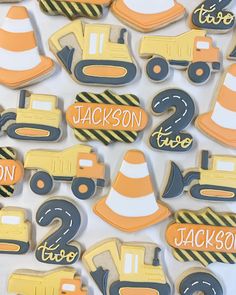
(94,229)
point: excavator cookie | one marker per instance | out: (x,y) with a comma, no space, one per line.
(217,183)
(57,247)
(107,117)
(131,204)
(148,15)
(220,122)
(75,8)
(61,281)
(192,50)
(11,171)
(199,281)
(204,236)
(20,62)
(36,118)
(94,53)
(77,164)
(126,268)
(15,231)
(211,15)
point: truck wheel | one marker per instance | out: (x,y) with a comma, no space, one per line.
(157,69)
(199,72)
(41,183)
(83,188)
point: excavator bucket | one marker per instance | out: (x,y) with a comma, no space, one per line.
(5,118)
(175,184)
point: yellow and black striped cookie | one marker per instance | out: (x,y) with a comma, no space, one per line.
(106,117)
(75,8)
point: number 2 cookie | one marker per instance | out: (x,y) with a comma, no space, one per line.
(168,135)
(98,54)
(148,15)
(220,122)
(193,51)
(20,62)
(211,15)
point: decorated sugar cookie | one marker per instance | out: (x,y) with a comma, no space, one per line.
(107,117)
(219,123)
(77,164)
(130,268)
(168,136)
(148,15)
(204,236)
(61,281)
(192,50)
(214,182)
(199,281)
(20,62)
(11,171)
(36,118)
(211,15)
(75,8)
(57,247)
(131,204)
(15,231)
(98,54)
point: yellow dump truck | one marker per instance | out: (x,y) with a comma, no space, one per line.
(62,281)
(94,53)
(192,50)
(126,268)
(15,231)
(36,118)
(77,164)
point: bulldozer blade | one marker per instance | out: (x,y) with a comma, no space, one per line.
(139,288)
(100,276)
(66,56)
(13,246)
(105,72)
(27,131)
(175,184)
(213,193)
(6,118)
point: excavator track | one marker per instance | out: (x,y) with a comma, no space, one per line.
(13,247)
(139,288)
(26,131)
(213,193)
(105,72)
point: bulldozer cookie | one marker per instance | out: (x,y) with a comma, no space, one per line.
(199,281)
(148,15)
(61,281)
(11,171)
(204,236)
(211,15)
(97,54)
(215,183)
(126,268)
(75,8)
(77,164)
(168,136)
(131,204)
(192,50)
(20,62)
(57,248)
(219,123)
(106,117)
(15,231)
(36,118)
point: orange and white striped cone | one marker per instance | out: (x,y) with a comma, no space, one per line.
(148,15)
(221,122)
(131,203)
(20,62)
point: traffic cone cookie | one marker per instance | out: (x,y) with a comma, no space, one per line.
(131,203)
(20,62)
(148,15)
(221,122)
